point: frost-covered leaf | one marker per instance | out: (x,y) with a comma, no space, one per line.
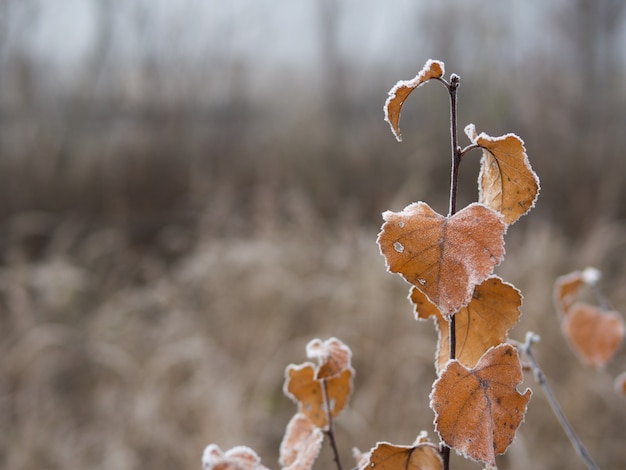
(507,183)
(237,458)
(333,356)
(361,458)
(567,287)
(478,411)
(566,290)
(422,455)
(304,389)
(401,90)
(591,275)
(444,257)
(485,322)
(594,334)
(301,444)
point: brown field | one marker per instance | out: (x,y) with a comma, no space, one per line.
(113,358)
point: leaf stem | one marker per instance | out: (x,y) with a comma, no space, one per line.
(532,338)
(445,456)
(457,153)
(330,432)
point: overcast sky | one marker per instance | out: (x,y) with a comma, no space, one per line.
(266,34)
(259,30)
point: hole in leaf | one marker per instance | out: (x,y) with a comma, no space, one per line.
(399,247)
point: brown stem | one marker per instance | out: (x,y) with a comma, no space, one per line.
(445,456)
(452,87)
(456,151)
(330,432)
(532,338)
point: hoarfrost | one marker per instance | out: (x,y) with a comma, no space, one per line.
(591,276)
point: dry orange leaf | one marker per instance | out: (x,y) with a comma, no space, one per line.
(301,444)
(419,456)
(483,323)
(507,183)
(401,90)
(333,356)
(594,334)
(477,411)
(237,458)
(303,388)
(566,289)
(444,257)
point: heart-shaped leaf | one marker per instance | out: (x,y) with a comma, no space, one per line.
(595,334)
(507,183)
(477,411)
(444,257)
(420,456)
(304,389)
(485,322)
(401,90)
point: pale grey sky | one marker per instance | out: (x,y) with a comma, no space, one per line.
(267,34)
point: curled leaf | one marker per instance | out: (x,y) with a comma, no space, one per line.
(304,389)
(444,257)
(594,334)
(507,183)
(566,289)
(485,322)
(422,455)
(301,444)
(401,90)
(237,458)
(333,356)
(478,411)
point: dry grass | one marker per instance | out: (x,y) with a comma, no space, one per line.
(162,264)
(112,358)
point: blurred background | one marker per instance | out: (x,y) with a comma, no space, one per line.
(191,190)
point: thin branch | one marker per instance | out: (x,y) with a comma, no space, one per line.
(452,87)
(603,300)
(532,338)
(330,432)
(445,456)
(464,150)
(456,152)
(452,336)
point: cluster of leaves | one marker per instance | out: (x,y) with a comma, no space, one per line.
(321,392)
(449,262)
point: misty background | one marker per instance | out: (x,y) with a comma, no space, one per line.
(191,190)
